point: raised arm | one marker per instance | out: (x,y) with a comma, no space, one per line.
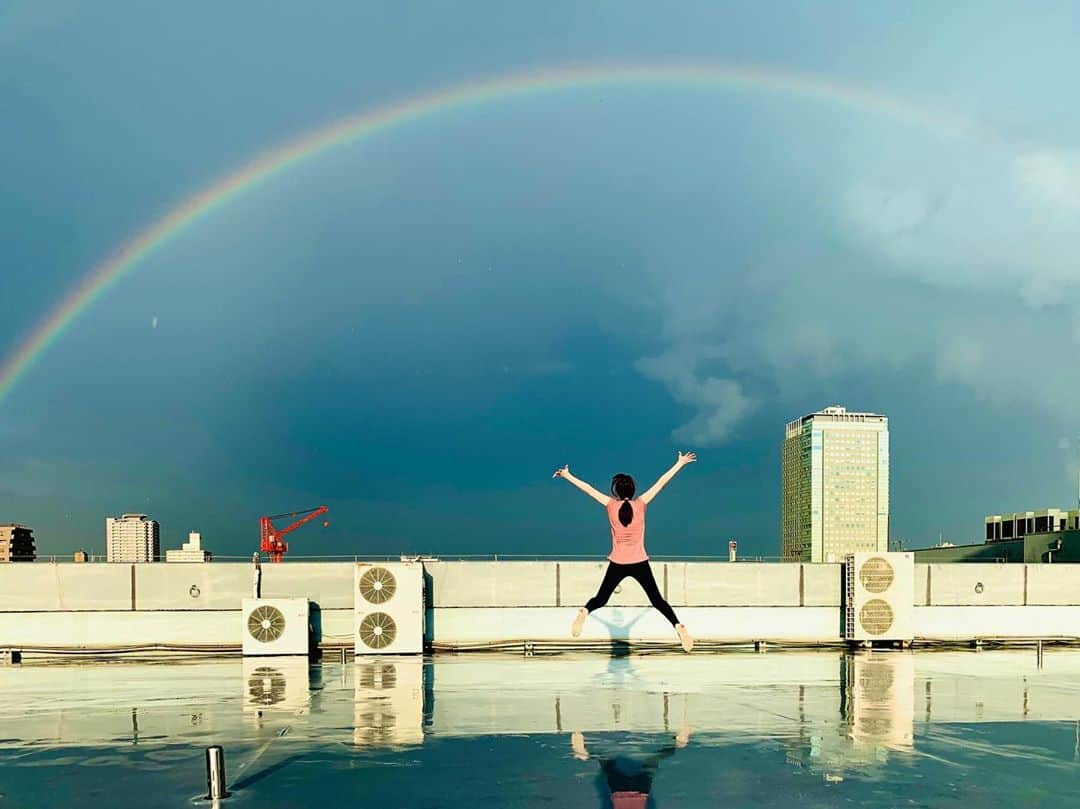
(596,495)
(665,478)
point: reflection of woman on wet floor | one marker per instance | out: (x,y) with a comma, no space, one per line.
(628,558)
(627,780)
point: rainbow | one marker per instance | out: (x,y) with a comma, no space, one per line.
(276,161)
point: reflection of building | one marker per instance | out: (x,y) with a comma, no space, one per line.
(132,538)
(16,543)
(388,701)
(190,551)
(835,485)
(276,684)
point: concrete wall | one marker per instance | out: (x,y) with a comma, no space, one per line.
(101,605)
(683,584)
(73,606)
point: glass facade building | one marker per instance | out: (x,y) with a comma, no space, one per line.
(834,486)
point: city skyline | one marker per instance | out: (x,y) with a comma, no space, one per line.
(591,238)
(812,537)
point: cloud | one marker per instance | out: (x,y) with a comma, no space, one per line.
(720,402)
(1051,176)
(968,267)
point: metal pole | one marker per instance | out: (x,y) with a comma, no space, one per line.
(256,580)
(215,773)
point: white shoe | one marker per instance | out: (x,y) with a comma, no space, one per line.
(579,622)
(684,637)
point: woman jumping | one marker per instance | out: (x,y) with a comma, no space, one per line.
(628,557)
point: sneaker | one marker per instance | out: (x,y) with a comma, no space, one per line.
(579,622)
(684,638)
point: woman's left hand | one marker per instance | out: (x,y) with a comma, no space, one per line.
(562,472)
(685,458)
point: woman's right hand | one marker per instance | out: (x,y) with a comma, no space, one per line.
(686,458)
(562,472)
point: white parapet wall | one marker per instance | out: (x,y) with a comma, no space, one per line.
(505,602)
(115,607)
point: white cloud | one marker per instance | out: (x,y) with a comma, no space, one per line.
(1051,176)
(969,268)
(720,403)
(887,213)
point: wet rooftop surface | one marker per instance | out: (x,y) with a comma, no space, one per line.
(940,729)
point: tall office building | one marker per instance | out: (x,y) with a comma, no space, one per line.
(835,486)
(132,538)
(16,543)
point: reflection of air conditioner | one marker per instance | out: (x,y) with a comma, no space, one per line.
(881,699)
(389,702)
(275,626)
(880,596)
(389,608)
(281,684)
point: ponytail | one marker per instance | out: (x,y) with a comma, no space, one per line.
(623,487)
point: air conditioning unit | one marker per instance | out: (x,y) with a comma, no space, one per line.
(282,684)
(880,596)
(389,702)
(275,626)
(388,608)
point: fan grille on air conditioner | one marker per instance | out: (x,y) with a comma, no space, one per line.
(876,575)
(266,686)
(876,616)
(266,623)
(377,630)
(377,585)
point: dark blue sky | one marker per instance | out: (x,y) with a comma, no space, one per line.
(416,330)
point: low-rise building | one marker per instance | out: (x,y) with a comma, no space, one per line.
(1049,535)
(17,543)
(190,551)
(1001,527)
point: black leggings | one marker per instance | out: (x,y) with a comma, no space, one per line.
(642,574)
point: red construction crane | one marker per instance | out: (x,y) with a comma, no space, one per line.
(272,543)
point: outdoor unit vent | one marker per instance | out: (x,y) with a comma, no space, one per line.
(389,608)
(279,684)
(275,626)
(880,595)
(389,702)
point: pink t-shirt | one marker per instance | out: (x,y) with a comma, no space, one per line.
(627,541)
